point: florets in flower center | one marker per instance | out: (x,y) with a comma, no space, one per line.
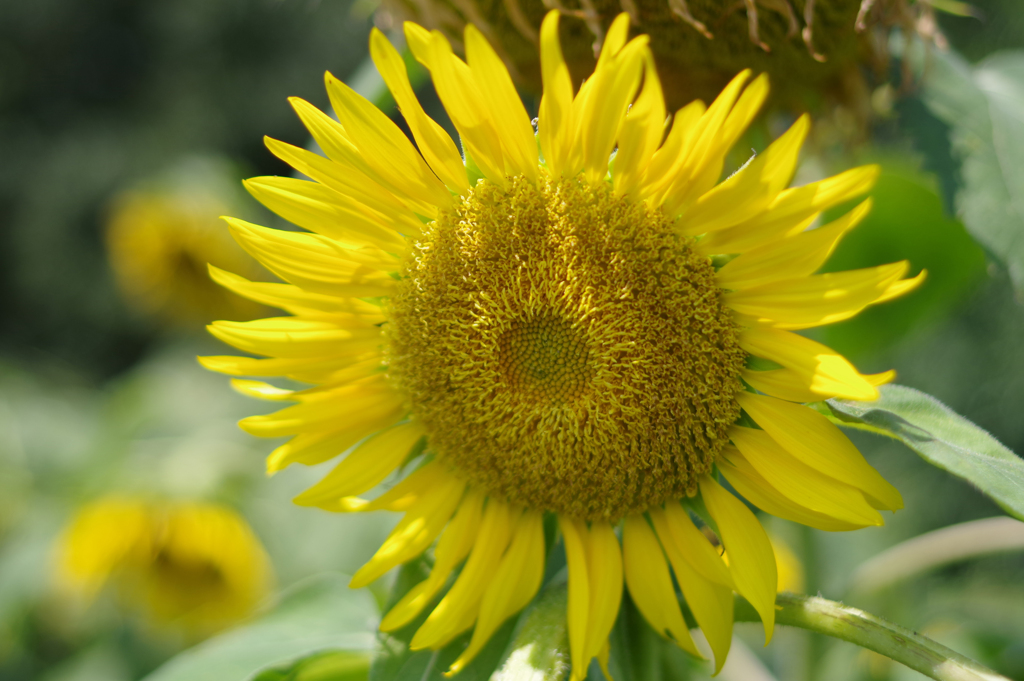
(565,349)
(545,358)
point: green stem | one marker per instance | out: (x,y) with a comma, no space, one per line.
(867,631)
(815,649)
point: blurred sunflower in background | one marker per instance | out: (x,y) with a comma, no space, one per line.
(160,237)
(599,333)
(194,567)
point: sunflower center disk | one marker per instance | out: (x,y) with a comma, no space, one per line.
(546,358)
(564,349)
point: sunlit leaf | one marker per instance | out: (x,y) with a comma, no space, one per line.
(943,438)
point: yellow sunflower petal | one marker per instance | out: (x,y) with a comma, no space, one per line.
(641,132)
(903,287)
(316,447)
(372,412)
(556,122)
(320,209)
(695,546)
(465,104)
(507,112)
(261,390)
(882,378)
(793,211)
(332,138)
(574,536)
(611,91)
(816,300)
(362,367)
(418,39)
(455,544)
(366,467)
(801,483)
(760,492)
(749,190)
(796,256)
(672,152)
(709,144)
(404,494)
(459,608)
(604,571)
(386,149)
(811,438)
(710,603)
(297,336)
(513,585)
(290,367)
(785,384)
(751,558)
(379,202)
(414,533)
(316,263)
(650,583)
(614,41)
(437,147)
(317,403)
(699,170)
(825,372)
(287,297)
(745,111)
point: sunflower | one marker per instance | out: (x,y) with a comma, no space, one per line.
(575,320)
(188,565)
(159,241)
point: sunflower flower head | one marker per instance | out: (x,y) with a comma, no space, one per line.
(596,328)
(160,238)
(190,566)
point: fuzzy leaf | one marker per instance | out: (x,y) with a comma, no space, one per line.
(943,438)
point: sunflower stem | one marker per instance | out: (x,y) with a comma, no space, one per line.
(918,652)
(815,645)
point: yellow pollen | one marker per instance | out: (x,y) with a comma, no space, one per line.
(564,349)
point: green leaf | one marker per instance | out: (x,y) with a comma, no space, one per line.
(984,106)
(318,615)
(943,438)
(396,662)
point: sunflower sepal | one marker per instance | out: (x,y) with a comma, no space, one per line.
(696,506)
(473,171)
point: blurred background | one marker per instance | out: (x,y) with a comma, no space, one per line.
(125,129)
